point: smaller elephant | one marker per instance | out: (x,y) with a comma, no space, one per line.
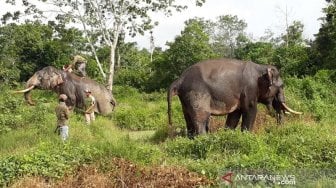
(63,82)
(227,86)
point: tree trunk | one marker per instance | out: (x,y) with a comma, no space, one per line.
(96,57)
(118,59)
(111,70)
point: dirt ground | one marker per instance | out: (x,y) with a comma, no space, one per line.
(121,173)
(263,120)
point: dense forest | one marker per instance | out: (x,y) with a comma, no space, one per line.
(131,147)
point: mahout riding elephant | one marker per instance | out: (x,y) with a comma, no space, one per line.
(63,82)
(227,86)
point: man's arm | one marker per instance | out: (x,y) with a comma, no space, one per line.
(66,113)
(91,106)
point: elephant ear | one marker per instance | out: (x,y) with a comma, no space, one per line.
(270,74)
(56,80)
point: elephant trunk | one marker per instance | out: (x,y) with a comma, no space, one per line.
(27,96)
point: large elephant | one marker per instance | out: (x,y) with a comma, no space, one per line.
(227,86)
(73,86)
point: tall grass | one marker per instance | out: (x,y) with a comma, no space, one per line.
(30,147)
(143,111)
(33,149)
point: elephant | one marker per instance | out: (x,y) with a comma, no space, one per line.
(63,82)
(227,86)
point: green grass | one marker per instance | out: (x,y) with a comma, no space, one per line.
(137,131)
(142,111)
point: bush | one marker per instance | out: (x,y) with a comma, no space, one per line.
(294,148)
(142,111)
(317,95)
(15,113)
(48,160)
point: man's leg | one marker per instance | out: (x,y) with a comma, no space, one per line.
(87,118)
(64,132)
(92,116)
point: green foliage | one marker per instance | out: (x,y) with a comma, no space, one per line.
(134,69)
(15,113)
(325,43)
(29,47)
(225,34)
(291,147)
(36,150)
(293,34)
(49,160)
(189,48)
(292,56)
(259,52)
(317,94)
(141,111)
(292,59)
(8,74)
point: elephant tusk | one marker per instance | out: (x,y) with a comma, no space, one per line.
(25,90)
(290,110)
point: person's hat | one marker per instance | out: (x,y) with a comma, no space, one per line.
(63,97)
(87,91)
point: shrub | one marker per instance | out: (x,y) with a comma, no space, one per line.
(14,113)
(48,160)
(317,95)
(291,147)
(142,111)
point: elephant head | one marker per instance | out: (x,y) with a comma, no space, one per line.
(59,81)
(49,78)
(272,92)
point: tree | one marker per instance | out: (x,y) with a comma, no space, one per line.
(31,46)
(292,54)
(190,47)
(292,60)
(325,43)
(258,52)
(224,33)
(293,34)
(107,19)
(135,70)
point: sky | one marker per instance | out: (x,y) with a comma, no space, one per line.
(259,15)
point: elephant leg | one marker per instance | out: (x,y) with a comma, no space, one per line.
(201,122)
(232,119)
(279,117)
(278,112)
(248,118)
(190,127)
(207,125)
(72,100)
(269,108)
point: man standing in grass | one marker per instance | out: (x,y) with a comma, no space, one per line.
(89,106)
(62,114)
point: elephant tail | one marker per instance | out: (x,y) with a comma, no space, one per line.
(172,91)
